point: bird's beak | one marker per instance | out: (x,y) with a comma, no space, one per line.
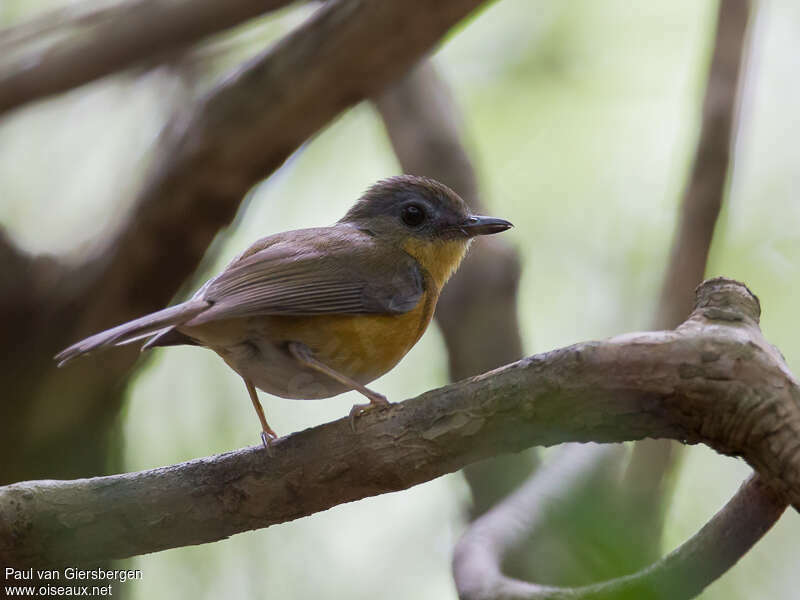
(476,225)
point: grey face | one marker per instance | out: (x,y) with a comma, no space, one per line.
(419,207)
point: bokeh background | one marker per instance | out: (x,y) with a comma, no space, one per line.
(581,117)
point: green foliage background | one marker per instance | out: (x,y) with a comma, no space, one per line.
(582,117)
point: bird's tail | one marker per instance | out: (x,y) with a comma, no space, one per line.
(135,330)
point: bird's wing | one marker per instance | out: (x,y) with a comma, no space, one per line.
(322,272)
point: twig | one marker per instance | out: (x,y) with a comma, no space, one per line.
(713,380)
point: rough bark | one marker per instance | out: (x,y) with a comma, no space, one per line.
(88,42)
(714,380)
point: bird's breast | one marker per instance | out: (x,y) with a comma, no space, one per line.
(362,347)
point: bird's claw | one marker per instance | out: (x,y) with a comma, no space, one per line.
(267,437)
(376,401)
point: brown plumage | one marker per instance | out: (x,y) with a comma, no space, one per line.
(315,312)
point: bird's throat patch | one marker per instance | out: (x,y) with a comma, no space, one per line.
(439,258)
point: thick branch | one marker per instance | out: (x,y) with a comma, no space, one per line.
(93,42)
(713,380)
(681,575)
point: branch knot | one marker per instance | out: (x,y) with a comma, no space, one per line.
(723,299)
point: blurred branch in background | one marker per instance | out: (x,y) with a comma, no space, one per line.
(715,380)
(705,190)
(681,575)
(209,156)
(74,45)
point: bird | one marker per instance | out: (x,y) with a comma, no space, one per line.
(312,313)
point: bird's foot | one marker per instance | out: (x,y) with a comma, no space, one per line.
(375,401)
(267,437)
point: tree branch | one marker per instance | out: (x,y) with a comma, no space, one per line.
(681,575)
(713,380)
(94,42)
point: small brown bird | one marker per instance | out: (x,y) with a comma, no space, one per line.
(312,313)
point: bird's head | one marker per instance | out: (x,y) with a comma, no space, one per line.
(423,217)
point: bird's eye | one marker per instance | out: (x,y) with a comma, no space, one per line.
(413,215)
